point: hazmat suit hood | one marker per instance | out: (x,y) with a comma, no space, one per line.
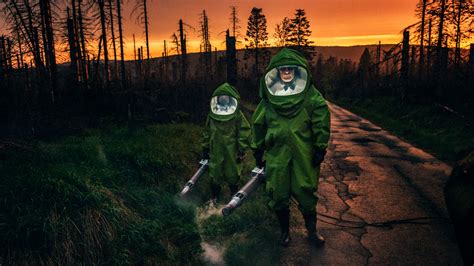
(224,108)
(286,95)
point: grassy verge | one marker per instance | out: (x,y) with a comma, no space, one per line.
(108,196)
(428,126)
(102,197)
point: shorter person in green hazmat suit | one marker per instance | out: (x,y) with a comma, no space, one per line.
(291,129)
(225,138)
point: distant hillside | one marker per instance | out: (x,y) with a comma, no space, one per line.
(347,52)
(246,60)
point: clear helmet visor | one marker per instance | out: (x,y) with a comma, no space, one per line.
(286,80)
(223,105)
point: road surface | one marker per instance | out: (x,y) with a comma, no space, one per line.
(378,183)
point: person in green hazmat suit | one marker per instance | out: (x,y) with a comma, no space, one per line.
(291,128)
(225,138)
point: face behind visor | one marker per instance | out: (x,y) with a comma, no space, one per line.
(286,80)
(223,105)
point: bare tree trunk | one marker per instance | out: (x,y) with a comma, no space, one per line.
(104,40)
(72,40)
(111,14)
(165,61)
(145,14)
(135,56)
(182,42)
(49,48)
(96,76)
(231,59)
(83,50)
(404,70)
(457,54)
(29,32)
(429,46)
(422,38)
(9,54)
(20,50)
(439,46)
(122,59)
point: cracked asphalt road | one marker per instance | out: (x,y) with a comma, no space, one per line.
(370,176)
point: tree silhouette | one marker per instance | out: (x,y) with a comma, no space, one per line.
(299,31)
(142,19)
(282,32)
(256,36)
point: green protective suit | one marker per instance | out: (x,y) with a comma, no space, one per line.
(224,137)
(290,130)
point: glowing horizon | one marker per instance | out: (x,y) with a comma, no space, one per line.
(333,22)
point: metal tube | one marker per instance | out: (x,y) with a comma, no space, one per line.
(257,178)
(194,179)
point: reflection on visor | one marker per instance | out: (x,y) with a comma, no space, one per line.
(223,105)
(286,80)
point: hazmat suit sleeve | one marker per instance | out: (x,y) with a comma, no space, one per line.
(206,137)
(244,133)
(320,123)
(259,129)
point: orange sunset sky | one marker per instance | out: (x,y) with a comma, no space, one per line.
(333,22)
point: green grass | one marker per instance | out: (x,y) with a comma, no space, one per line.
(427,126)
(105,196)
(108,196)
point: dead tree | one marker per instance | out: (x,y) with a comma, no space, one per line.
(231,59)
(112,32)
(184,61)
(429,52)
(122,59)
(205,44)
(422,38)
(234,20)
(439,45)
(82,45)
(72,40)
(101,4)
(404,70)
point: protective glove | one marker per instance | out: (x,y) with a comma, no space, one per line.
(318,157)
(205,154)
(240,156)
(259,162)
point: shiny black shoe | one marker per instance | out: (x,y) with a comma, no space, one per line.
(316,239)
(313,236)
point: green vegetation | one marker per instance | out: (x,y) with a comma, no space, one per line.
(104,197)
(108,196)
(442,133)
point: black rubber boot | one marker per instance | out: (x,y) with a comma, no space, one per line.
(313,236)
(284,220)
(233,189)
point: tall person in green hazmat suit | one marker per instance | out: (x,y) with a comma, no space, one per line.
(225,138)
(291,128)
